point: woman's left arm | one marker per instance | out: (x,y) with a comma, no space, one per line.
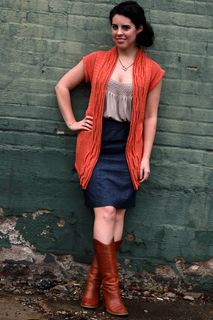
(150,124)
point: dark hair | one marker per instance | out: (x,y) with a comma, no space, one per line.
(133,11)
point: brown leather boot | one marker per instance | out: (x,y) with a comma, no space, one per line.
(90,297)
(107,263)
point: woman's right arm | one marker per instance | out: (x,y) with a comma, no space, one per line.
(68,82)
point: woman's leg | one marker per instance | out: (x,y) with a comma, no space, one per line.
(90,297)
(119,224)
(104,225)
(105,219)
(105,251)
(110,220)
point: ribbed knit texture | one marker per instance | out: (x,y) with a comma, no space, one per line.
(98,67)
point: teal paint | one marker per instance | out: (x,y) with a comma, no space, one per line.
(40,41)
(4,241)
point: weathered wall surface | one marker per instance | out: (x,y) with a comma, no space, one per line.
(41,201)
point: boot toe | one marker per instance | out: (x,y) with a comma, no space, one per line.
(118,312)
(89,305)
(119,309)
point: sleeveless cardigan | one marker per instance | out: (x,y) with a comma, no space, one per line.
(98,67)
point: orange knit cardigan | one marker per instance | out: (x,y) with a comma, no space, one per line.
(98,67)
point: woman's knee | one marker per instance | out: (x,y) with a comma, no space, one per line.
(108,214)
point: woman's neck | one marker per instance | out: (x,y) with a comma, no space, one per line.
(127,53)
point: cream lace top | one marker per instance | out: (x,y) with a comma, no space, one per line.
(118,101)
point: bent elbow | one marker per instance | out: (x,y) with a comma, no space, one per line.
(57,87)
(60,88)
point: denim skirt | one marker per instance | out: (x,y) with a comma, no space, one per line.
(110,183)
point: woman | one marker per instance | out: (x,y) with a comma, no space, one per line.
(115,139)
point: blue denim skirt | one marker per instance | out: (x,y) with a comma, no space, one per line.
(110,183)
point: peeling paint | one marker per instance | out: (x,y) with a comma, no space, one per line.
(61,223)
(201,268)
(8,225)
(1,212)
(180,266)
(166,272)
(130,237)
(40,212)
(58,131)
(192,68)
(19,253)
(8,228)
(45,231)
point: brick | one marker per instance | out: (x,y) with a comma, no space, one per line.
(182,46)
(186,113)
(188,87)
(7,16)
(180,155)
(99,10)
(179,32)
(46,19)
(189,100)
(188,127)
(184,140)
(180,19)
(35,113)
(184,6)
(35,140)
(36,168)
(36,58)
(24,5)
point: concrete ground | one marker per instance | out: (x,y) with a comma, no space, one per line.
(38,307)
(49,287)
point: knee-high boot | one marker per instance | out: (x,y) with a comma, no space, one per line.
(90,297)
(107,263)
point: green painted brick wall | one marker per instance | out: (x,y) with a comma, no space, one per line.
(39,41)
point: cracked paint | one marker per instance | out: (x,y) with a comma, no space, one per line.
(61,223)
(8,229)
(39,212)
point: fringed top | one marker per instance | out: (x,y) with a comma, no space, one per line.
(118,101)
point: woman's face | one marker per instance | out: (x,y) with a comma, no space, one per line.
(124,32)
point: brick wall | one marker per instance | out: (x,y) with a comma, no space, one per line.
(39,190)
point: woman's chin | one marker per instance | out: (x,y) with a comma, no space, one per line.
(121,45)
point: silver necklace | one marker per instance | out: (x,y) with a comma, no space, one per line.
(123,67)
